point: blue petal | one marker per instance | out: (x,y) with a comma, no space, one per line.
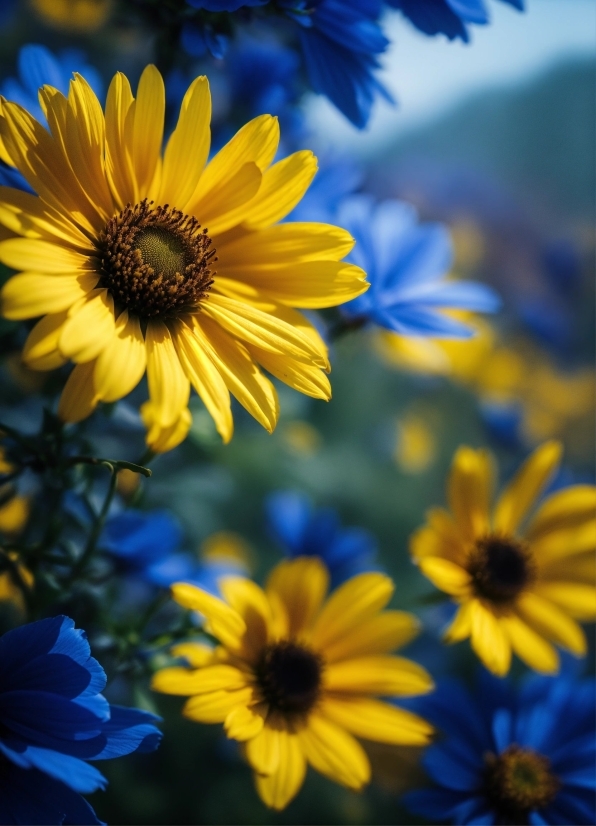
(472,11)
(446,764)
(142,538)
(55,673)
(435,804)
(474,811)
(129,730)
(38,67)
(419,257)
(433,17)
(461,295)
(418,321)
(47,719)
(502,729)
(76,773)
(19,646)
(288,514)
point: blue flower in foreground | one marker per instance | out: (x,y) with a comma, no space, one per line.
(147,546)
(406,264)
(303,531)
(53,719)
(448,17)
(38,66)
(511,757)
(341,41)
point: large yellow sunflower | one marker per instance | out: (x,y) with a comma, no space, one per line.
(295,676)
(519,590)
(169,264)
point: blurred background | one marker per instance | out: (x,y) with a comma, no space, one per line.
(495,139)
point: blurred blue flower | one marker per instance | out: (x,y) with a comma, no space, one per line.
(147,546)
(303,531)
(38,66)
(224,5)
(511,756)
(198,39)
(335,180)
(448,17)
(53,720)
(341,40)
(406,264)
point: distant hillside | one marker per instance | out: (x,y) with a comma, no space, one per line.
(538,139)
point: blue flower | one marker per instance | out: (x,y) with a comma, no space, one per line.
(406,264)
(224,5)
(511,756)
(38,66)
(341,41)
(303,531)
(198,39)
(53,719)
(448,17)
(147,546)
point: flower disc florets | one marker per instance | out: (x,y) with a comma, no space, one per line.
(289,676)
(155,261)
(518,781)
(500,568)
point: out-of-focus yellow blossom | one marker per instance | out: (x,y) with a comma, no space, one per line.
(15,511)
(416,446)
(520,587)
(296,677)
(468,245)
(225,547)
(302,438)
(9,590)
(73,15)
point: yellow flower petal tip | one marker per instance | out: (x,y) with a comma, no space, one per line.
(523,575)
(299,676)
(209,291)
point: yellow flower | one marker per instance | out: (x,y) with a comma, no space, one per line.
(519,590)
(166,263)
(295,675)
(73,15)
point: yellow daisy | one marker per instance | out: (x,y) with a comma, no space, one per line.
(166,263)
(519,590)
(296,676)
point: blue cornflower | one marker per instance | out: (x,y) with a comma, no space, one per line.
(263,77)
(511,756)
(448,17)
(303,531)
(38,66)
(147,546)
(406,264)
(53,719)
(341,41)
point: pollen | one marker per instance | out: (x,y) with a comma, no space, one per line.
(156,261)
(500,568)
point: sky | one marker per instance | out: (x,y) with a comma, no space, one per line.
(429,76)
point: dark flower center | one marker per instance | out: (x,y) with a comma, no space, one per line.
(289,676)
(155,261)
(518,781)
(500,568)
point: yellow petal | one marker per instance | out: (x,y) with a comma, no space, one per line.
(377,721)
(27,215)
(224,623)
(90,327)
(577,599)
(461,627)
(300,585)
(488,640)
(284,185)
(195,653)
(149,113)
(248,599)
(376,635)
(446,575)
(529,646)
(261,329)
(121,365)
(169,388)
(289,244)
(378,675)
(119,168)
(79,397)
(42,256)
(160,439)
(241,375)
(277,790)
(469,491)
(441,537)
(263,751)
(188,146)
(185,681)
(215,706)
(332,751)
(255,143)
(224,207)
(204,377)
(29,294)
(521,493)
(41,348)
(352,603)
(305,378)
(243,723)
(550,621)
(566,508)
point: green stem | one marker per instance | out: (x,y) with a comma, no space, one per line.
(98,526)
